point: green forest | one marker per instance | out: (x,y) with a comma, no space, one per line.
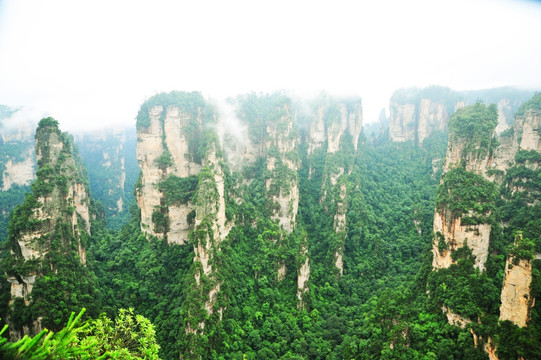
(135,295)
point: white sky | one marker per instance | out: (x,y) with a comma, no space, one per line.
(91,63)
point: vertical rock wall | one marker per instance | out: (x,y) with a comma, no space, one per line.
(17,164)
(303,274)
(416,113)
(510,162)
(417,120)
(268,132)
(473,155)
(149,148)
(60,197)
(211,226)
(109,155)
(336,123)
(516,299)
(165,136)
(282,164)
(19,172)
(402,122)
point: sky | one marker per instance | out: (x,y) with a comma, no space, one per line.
(90,64)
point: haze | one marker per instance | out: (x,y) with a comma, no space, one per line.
(91,64)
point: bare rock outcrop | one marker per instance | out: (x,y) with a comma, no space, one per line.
(481,166)
(336,123)
(415,121)
(516,299)
(303,275)
(416,113)
(402,122)
(110,157)
(340,225)
(163,150)
(59,188)
(211,150)
(457,235)
(468,158)
(282,163)
(19,172)
(55,218)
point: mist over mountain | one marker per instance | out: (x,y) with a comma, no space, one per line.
(277,226)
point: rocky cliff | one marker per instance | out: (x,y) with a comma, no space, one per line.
(53,223)
(488,177)
(516,299)
(19,172)
(332,138)
(417,121)
(200,160)
(109,156)
(17,162)
(521,186)
(466,197)
(282,166)
(211,227)
(181,190)
(483,158)
(167,152)
(416,113)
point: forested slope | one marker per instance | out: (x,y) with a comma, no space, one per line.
(283,233)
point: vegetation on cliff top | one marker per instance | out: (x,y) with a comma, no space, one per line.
(378,308)
(189,102)
(61,280)
(257,110)
(462,191)
(474,126)
(533,104)
(414,95)
(178,190)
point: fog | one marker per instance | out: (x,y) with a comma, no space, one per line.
(91,64)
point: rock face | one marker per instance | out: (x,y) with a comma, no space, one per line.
(303,275)
(516,298)
(416,113)
(456,235)
(211,224)
(469,158)
(432,117)
(17,163)
(338,125)
(149,148)
(417,121)
(480,167)
(58,211)
(109,156)
(185,142)
(402,122)
(181,192)
(55,159)
(486,161)
(19,172)
(527,127)
(163,150)
(282,164)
